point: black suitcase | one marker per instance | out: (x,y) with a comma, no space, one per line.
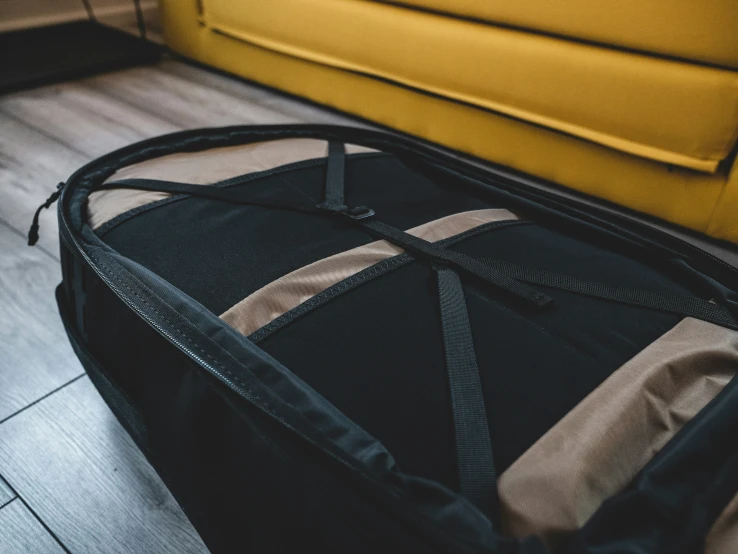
(336,340)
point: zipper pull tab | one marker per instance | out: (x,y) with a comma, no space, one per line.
(33,231)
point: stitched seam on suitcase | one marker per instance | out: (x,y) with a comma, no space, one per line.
(365,276)
(281,295)
(192,343)
(302,424)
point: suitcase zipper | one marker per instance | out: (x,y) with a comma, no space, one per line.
(33,231)
(186,350)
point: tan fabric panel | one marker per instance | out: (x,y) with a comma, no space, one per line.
(599,447)
(291,290)
(723,537)
(202,168)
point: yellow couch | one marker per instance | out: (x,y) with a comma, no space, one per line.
(634,101)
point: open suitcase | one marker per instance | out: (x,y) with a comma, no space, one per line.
(336,340)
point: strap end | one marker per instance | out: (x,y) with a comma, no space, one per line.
(33,235)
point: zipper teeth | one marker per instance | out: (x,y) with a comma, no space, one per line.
(198,359)
(668,236)
(673,238)
(507,184)
(164,332)
(422,522)
(618,216)
(148,319)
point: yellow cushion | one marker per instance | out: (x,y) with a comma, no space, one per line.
(681,196)
(673,112)
(700,30)
(723,222)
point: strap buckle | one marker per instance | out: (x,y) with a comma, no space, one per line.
(359,212)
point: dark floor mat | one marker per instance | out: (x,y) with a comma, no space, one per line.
(44,55)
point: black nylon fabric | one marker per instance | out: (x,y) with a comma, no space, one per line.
(219,253)
(370,357)
(535,365)
(477,476)
(333,196)
(209,451)
(595,328)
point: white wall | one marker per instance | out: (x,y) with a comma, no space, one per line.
(18,14)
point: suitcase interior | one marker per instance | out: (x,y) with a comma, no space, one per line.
(369,339)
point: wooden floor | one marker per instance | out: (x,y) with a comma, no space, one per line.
(71,480)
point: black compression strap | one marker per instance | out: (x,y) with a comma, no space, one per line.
(230,195)
(508,276)
(334,177)
(688,306)
(463,262)
(477,478)
(334,201)
(394,235)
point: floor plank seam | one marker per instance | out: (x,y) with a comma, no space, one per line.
(9,501)
(20,499)
(90,84)
(41,131)
(25,237)
(44,397)
(42,522)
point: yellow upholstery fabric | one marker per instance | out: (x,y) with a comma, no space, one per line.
(700,30)
(672,112)
(724,218)
(693,199)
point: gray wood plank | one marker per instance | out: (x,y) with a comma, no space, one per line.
(31,165)
(288,105)
(48,133)
(72,462)
(35,356)
(6,494)
(216,80)
(182,101)
(82,118)
(22,533)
